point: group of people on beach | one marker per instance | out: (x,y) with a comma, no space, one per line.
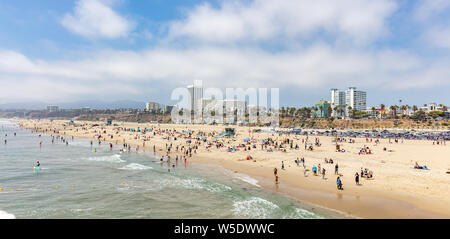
(183,144)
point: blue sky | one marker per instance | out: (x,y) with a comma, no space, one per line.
(62,51)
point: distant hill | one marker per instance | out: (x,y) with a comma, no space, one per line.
(93,104)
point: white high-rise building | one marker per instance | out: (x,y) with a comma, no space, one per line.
(350,98)
(337,100)
(152,107)
(52,108)
(355,99)
(196,91)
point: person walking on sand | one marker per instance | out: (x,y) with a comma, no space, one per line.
(339,183)
(323,173)
(336,169)
(357,178)
(282,165)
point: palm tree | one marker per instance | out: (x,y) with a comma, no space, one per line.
(329,109)
(403,109)
(292,111)
(393,109)
(374,111)
(350,111)
(321,108)
(335,109)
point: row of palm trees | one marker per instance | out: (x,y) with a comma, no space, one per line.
(307,112)
(340,111)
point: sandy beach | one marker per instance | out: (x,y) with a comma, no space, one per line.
(396,190)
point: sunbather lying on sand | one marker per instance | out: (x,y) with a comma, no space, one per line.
(417,166)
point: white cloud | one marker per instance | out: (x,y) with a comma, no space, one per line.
(112,73)
(96,19)
(260,20)
(317,67)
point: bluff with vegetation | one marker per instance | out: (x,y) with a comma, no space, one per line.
(286,120)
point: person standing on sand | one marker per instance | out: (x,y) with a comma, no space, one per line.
(275,173)
(357,178)
(336,169)
(323,173)
(282,165)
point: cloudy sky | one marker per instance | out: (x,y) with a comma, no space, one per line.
(64,50)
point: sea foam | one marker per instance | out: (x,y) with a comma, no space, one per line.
(135,166)
(5,215)
(247,179)
(254,207)
(116,158)
(300,213)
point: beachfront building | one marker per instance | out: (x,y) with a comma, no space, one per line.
(52,108)
(337,103)
(236,108)
(427,108)
(372,111)
(355,99)
(85,110)
(196,94)
(322,109)
(152,107)
(342,100)
(167,109)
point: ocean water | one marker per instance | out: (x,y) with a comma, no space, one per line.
(80,181)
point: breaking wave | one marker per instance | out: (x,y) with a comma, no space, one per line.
(116,158)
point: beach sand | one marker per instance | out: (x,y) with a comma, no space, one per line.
(397,190)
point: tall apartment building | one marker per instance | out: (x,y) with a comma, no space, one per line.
(337,100)
(52,108)
(196,91)
(152,107)
(353,98)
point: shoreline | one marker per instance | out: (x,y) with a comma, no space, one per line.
(366,203)
(346,204)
